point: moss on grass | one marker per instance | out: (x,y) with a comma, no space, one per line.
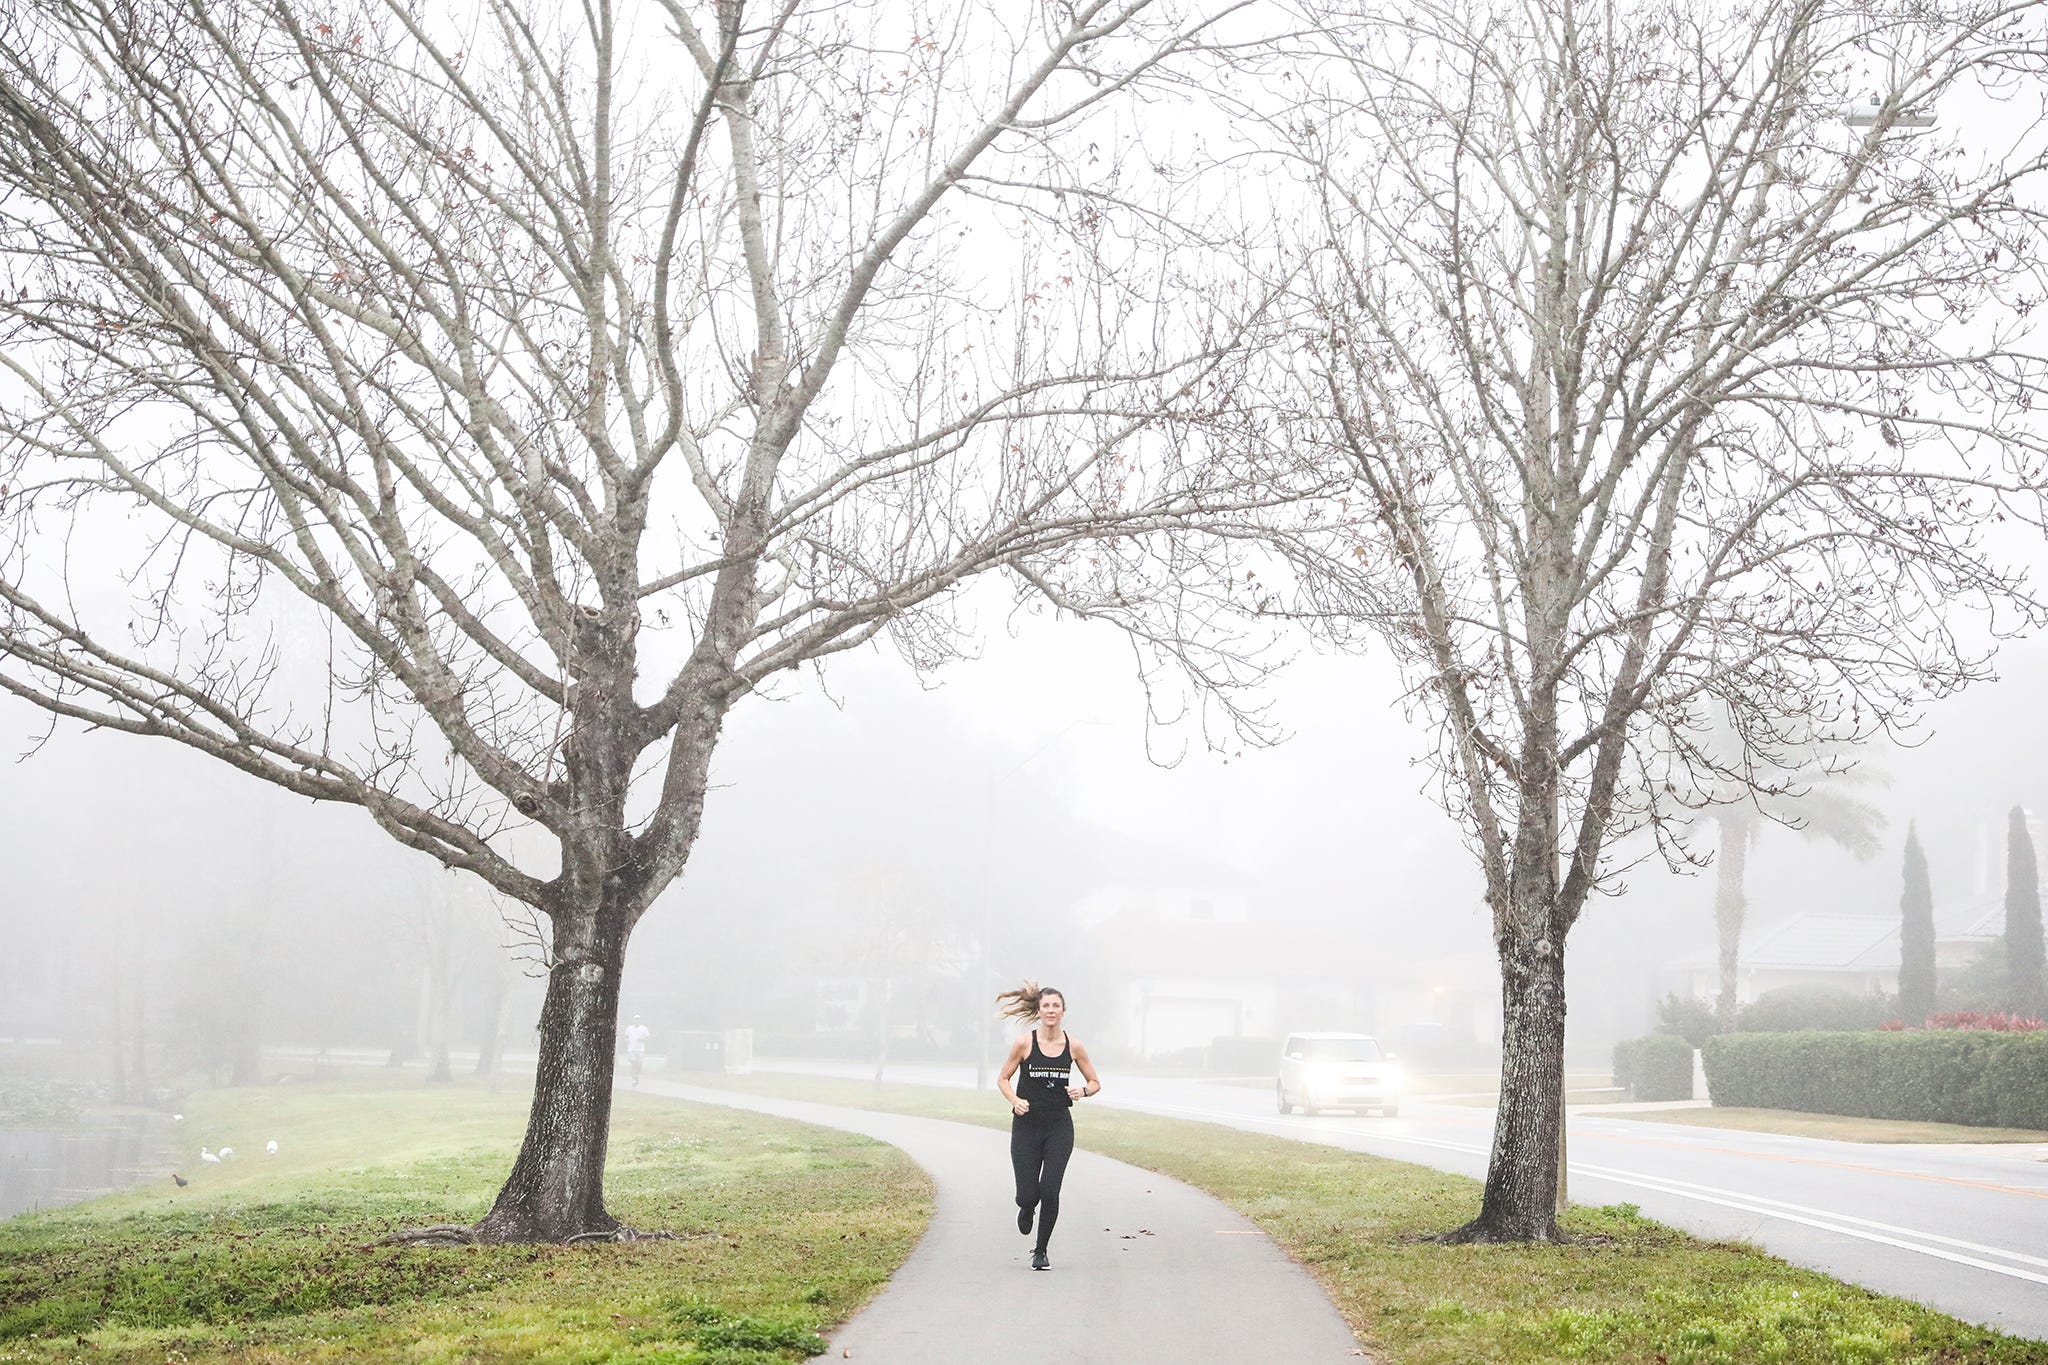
(1625,1289)
(785,1231)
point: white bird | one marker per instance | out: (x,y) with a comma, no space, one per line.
(208,1157)
(177,1118)
(270,1147)
(226,1152)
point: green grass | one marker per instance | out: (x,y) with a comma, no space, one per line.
(786,1230)
(1624,1290)
(1842,1129)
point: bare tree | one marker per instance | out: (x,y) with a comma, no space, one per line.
(1660,385)
(895,929)
(567,376)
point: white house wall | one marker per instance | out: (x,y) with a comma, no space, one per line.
(1173,1014)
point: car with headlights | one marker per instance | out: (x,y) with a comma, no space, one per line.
(1321,1071)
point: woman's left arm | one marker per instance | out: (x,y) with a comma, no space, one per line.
(1094,1082)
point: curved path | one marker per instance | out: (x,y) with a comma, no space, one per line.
(1144,1267)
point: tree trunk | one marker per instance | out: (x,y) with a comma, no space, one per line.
(122,1093)
(247,1067)
(1731,904)
(882,1028)
(440,980)
(138,1073)
(556,1189)
(405,1045)
(1520,1204)
(491,1042)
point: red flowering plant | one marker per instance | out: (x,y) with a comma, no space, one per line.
(1983,1021)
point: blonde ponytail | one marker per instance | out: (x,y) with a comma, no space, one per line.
(1023,1002)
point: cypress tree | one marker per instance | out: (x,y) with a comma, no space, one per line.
(2022,917)
(1916,936)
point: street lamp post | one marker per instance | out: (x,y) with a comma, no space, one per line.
(988,819)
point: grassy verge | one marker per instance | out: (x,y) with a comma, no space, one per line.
(1835,1126)
(1627,1290)
(785,1231)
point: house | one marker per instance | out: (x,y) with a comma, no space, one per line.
(1854,953)
(1181,966)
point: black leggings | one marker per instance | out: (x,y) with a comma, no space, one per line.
(1039,1148)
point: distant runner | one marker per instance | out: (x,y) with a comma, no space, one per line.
(1041,1105)
(637,1035)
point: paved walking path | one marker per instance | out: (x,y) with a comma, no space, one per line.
(1144,1267)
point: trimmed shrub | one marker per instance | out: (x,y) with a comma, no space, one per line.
(1978,1077)
(1656,1067)
(1687,1016)
(1802,1009)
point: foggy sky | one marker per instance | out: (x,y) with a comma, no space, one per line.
(882,778)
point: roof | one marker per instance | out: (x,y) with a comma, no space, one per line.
(1813,940)
(1851,942)
(1980,917)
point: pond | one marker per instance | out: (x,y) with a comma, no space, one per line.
(41,1168)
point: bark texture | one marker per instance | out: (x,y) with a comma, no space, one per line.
(1522,1174)
(556,1189)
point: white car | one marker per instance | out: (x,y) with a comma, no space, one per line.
(1337,1071)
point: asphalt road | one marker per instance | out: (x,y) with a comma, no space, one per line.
(1961,1228)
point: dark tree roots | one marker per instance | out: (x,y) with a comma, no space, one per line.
(1477,1233)
(469,1234)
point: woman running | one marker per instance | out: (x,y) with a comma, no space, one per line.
(1041,1103)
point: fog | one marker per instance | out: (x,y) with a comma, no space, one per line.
(862,838)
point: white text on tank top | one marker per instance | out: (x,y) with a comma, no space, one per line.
(1049,1073)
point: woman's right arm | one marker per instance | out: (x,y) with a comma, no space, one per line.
(1003,1077)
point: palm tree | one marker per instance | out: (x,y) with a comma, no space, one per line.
(1804,784)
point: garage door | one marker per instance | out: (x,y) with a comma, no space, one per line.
(1172,1023)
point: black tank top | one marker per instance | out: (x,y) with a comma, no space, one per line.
(1045,1079)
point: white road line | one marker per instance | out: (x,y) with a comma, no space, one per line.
(1687,1187)
(1825,1220)
(1830,1222)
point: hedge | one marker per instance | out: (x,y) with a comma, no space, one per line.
(1799,1009)
(1656,1067)
(1934,1075)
